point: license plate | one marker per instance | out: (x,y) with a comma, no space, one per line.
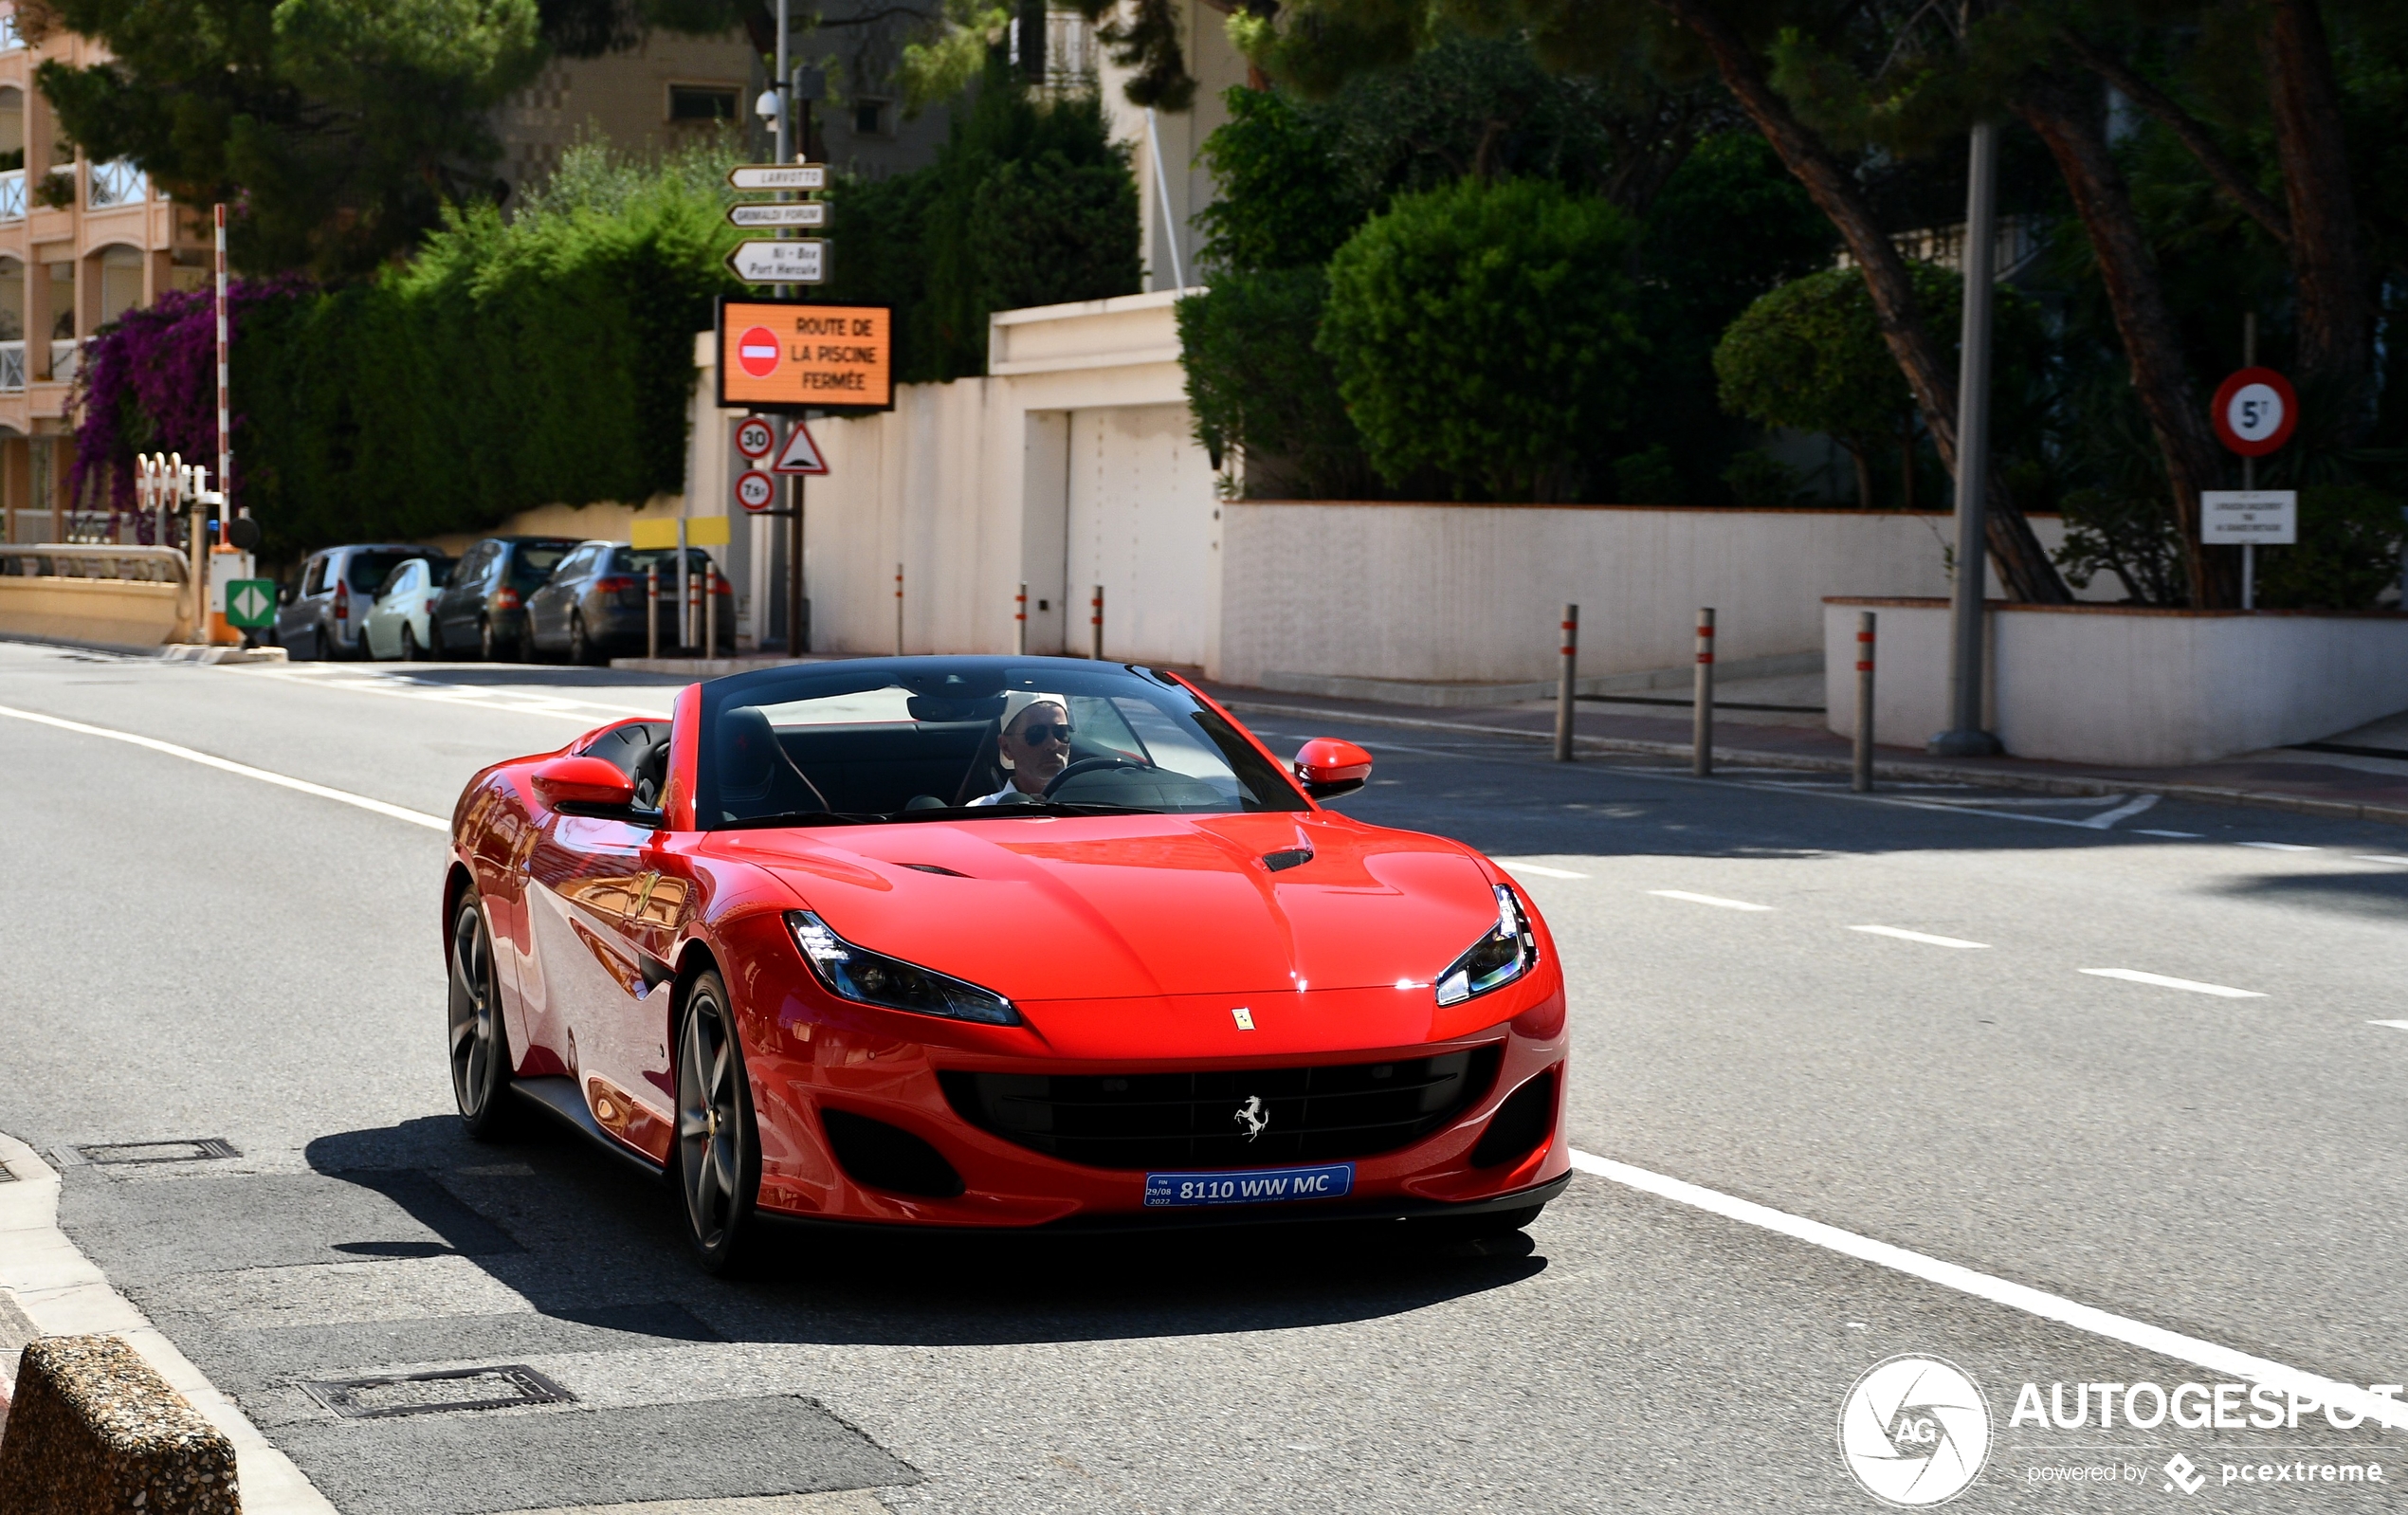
(1258,1186)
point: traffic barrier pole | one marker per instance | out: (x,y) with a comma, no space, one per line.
(1863,781)
(710,607)
(1020,622)
(652,612)
(686,631)
(1095,620)
(899,610)
(1570,650)
(1701,763)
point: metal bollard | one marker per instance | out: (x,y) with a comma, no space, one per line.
(652,612)
(1863,781)
(1701,763)
(686,631)
(1020,622)
(899,610)
(1095,620)
(710,608)
(1570,650)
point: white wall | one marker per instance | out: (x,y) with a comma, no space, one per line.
(2120,685)
(1180,135)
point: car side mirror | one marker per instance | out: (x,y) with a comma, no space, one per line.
(583,786)
(1328,767)
(284,594)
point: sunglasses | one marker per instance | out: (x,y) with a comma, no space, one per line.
(1041,733)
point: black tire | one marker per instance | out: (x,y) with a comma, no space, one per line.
(717,1158)
(480,1041)
(522,646)
(436,647)
(487,648)
(410,650)
(581,648)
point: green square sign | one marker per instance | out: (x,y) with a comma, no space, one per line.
(250,602)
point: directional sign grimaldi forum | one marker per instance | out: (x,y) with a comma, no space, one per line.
(797,355)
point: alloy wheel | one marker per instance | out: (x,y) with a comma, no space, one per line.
(474,1006)
(716,1173)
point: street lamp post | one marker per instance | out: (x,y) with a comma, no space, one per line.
(1966,736)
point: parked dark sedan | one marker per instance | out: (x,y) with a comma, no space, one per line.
(483,611)
(593,605)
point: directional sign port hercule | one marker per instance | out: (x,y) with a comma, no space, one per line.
(781,262)
(250,602)
(778,177)
(805,213)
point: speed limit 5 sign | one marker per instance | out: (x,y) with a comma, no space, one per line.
(754,489)
(2254,411)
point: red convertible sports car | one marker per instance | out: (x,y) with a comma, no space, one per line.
(996,943)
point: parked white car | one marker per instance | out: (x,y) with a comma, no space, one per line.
(398,623)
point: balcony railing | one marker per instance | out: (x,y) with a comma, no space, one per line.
(11,368)
(115,184)
(64,354)
(9,38)
(13,196)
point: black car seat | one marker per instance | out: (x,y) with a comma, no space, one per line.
(985,774)
(756,776)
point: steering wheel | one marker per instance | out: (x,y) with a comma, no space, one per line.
(1091,765)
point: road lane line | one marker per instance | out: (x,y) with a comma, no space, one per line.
(2279,847)
(2014,1296)
(1925,938)
(243,769)
(2377,857)
(2105,820)
(1515,865)
(2396,1025)
(2187,836)
(2136,976)
(1708,899)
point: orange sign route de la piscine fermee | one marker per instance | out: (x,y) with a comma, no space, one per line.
(795,355)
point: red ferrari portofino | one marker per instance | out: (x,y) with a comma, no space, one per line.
(996,943)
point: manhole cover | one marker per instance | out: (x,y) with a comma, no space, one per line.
(184,1149)
(421,1394)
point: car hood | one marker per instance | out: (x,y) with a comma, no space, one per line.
(1068,907)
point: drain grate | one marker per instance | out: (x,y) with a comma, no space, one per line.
(183,1149)
(424,1393)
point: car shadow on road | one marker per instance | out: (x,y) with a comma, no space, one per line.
(580,1233)
(2381,897)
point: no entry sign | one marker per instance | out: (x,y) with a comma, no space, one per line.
(756,352)
(2254,411)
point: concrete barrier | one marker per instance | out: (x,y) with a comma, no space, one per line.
(2124,685)
(93,1430)
(120,596)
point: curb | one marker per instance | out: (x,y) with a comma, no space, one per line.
(95,1426)
(59,1292)
(1927,773)
(203,652)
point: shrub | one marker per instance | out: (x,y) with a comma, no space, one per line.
(2347,554)
(1257,384)
(1483,331)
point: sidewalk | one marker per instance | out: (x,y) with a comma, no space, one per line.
(2366,784)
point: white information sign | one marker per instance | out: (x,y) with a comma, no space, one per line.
(781,262)
(2269,518)
(778,177)
(801,213)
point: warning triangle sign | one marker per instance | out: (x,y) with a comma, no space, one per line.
(800,454)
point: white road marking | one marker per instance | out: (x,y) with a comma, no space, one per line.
(2377,857)
(2014,1296)
(2107,819)
(2279,847)
(2135,976)
(2187,836)
(1708,899)
(516,702)
(1517,865)
(243,769)
(1925,938)
(2396,1025)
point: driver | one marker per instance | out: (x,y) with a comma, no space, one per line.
(1034,745)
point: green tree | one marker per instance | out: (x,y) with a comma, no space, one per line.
(1483,331)
(1258,385)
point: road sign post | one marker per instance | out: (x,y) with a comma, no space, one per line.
(2254,413)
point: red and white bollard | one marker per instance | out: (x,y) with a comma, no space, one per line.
(1702,763)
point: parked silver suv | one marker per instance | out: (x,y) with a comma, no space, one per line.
(322,613)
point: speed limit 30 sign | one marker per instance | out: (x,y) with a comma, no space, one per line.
(754,489)
(2254,411)
(754,436)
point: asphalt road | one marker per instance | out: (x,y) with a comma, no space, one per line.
(195,953)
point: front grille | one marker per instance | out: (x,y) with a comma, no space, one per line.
(1194,1120)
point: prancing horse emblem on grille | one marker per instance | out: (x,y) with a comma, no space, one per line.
(1252,1116)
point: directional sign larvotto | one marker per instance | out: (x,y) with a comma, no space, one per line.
(801,213)
(778,177)
(790,355)
(250,602)
(781,262)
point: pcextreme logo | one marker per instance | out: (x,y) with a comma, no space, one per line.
(1914,1431)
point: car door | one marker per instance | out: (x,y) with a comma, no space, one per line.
(456,611)
(547,608)
(378,629)
(297,618)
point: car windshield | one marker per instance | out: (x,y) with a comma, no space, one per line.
(534,563)
(906,739)
(368,570)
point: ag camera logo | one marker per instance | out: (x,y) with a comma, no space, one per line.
(1914,1431)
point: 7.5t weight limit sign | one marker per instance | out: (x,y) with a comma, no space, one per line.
(755,490)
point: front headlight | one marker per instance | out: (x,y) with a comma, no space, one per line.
(1496,959)
(873,978)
